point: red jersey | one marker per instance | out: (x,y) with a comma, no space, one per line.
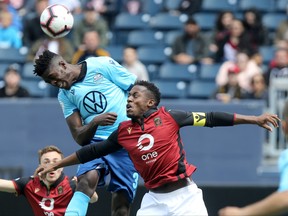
(44,201)
(158,156)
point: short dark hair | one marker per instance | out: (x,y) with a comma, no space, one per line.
(152,88)
(42,64)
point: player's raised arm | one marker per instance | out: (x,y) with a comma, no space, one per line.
(7,186)
(263,120)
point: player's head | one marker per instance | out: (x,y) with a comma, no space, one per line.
(54,70)
(48,155)
(143,96)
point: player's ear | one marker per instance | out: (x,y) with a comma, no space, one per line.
(151,102)
(62,63)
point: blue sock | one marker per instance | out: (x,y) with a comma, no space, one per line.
(78,205)
(283,168)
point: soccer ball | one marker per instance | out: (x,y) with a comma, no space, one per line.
(56,21)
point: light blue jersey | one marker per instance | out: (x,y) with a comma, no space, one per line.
(103,89)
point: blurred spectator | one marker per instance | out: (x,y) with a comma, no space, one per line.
(74,6)
(132,6)
(16,21)
(106,8)
(10,37)
(12,86)
(132,64)
(278,67)
(281,33)
(32,29)
(247,69)
(255,29)
(91,47)
(222,29)
(61,46)
(259,90)
(191,46)
(22,6)
(236,41)
(190,7)
(91,21)
(231,90)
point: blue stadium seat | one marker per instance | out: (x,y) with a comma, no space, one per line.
(177,72)
(201,89)
(171,89)
(144,38)
(218,5)
(151,55)
(126,21)
(152,7)
(267,53)
(165,21)
(36,88)
(206,21)
(261,5)
(27,70)
(272,20)
(3,67)
(12,55)
(170,36)
(171,4)
(116,52)
(281,5)
(208,71)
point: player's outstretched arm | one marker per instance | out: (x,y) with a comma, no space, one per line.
(274,204)
(67,161)
(264,120)
(7,186)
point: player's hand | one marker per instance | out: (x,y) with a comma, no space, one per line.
(105,119)
(266,119)
(230,211)
(43,170)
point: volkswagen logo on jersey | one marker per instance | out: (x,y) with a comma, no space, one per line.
(95,102)
(147,147)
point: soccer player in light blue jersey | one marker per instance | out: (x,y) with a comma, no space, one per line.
(93,96)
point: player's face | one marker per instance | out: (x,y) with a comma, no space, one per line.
(50,158)
(138,102)
(58,76)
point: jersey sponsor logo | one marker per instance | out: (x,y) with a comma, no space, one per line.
(95,102)
(129,129)
(97,77)
(143,146)
(157,121)
(47,204)
(199,118)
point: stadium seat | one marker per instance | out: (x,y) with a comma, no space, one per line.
(3,67)
(171,5)
(267,53)
(36,88)
(151,55)
(206,21)
(201,89)
(144,38)
(27,70)
(261,5)
(126,21)
(165,21)
(208,71)
(171,89)
(281,5)
(12,55)
(177,72)
(152,7)
(170,36)
(219,5)
(116,52)
(272,20)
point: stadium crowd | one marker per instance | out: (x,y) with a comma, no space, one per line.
(226,46)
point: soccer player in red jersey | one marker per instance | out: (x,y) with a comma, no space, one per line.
(152,139)
(49,196)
